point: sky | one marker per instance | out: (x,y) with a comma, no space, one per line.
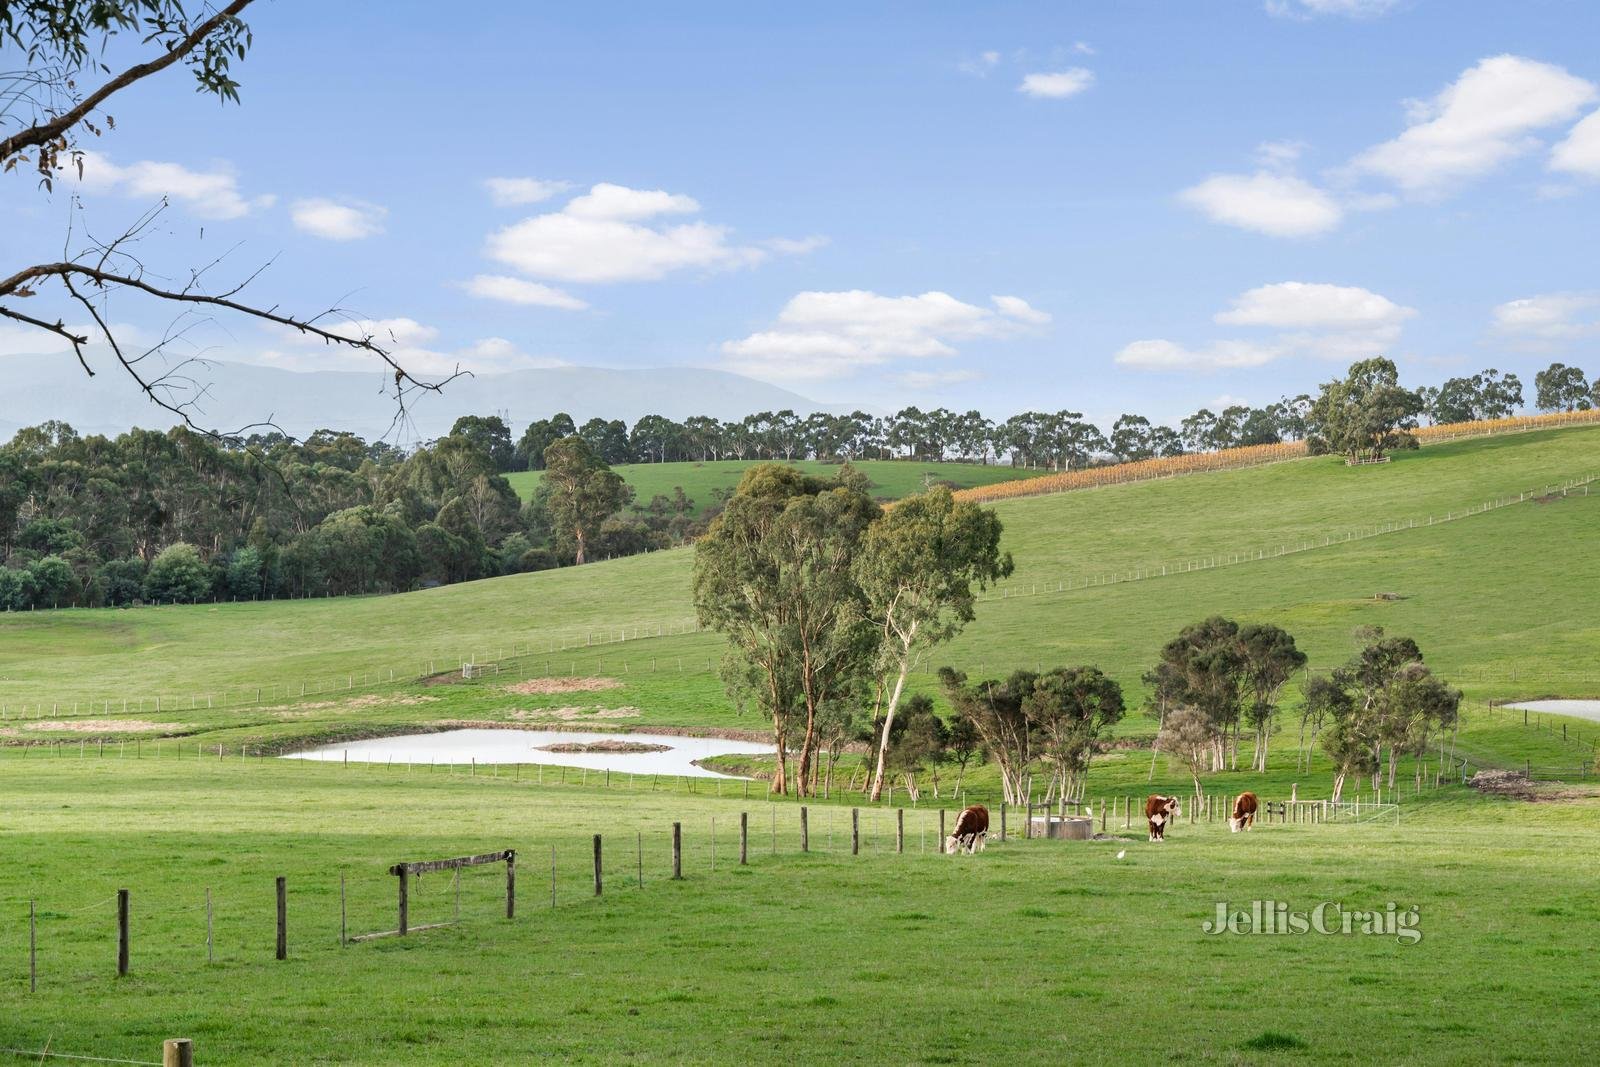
(1146,206)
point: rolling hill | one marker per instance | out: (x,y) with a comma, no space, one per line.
(1501,599)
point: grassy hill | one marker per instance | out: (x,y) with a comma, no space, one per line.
(1054,945)
(891,479)
(1485,593)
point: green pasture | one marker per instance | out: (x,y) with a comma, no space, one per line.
(891,478)
(1501,603)
(1032,952)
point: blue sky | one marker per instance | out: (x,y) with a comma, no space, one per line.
(1133,206)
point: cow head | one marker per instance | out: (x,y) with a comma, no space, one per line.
(952,845)
(1235,823)
(1171,808)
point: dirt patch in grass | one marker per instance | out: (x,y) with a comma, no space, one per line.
(372,700)
(1514,785)
(572,714)
(106,726)
(604,746)
(545,686)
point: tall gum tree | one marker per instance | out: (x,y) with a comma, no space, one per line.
(920,568)
(773,573)
(580,492)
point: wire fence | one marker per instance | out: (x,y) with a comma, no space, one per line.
(1235,557)
(176,925)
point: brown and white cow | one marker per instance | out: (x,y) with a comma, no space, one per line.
(1244,812)
(971,832)
(1160,811)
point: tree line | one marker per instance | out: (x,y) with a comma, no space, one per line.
(178,516)
(1058,440)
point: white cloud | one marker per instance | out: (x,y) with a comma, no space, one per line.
(1313,305)
(1159,354)
(1280,205)
(508,192)
(1056,85)
(1309,318)
(796,246)
(210,194)
(605,235)
(981,65)
(1279,155)
(1305,9)
(337,220)
(1482,119)
(1549,318)
(406,339)
(820,335)
(1083,48)
(519,291)
(1580,152)
(1019,309)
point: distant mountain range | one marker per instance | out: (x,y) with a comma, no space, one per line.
(34,389)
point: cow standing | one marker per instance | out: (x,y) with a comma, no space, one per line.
(971,832)
(1244,813)
(1158,812)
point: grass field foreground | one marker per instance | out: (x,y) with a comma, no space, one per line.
(1051,950)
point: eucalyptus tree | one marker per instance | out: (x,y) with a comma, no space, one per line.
(1270,660)
(995,711)
(1558,388)
(774,574)
(1367,413)
(920,568)
(1486,395)
(580,492)
(1130,438)
(1072,708)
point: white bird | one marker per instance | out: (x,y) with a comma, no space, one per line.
(1121,854)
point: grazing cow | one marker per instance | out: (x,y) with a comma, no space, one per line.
(971,833)
(1159,811)
(1244,813)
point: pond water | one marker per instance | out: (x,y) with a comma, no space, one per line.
(1578,709)
(524,746)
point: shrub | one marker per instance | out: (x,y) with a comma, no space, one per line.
(177,576)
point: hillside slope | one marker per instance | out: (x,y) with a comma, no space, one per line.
(1482,593)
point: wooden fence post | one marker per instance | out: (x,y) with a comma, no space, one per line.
(177,1052)
(122,933)
(744,838)
(283,918)
(805,830)
(1002,820)
(596,864)
(941,828)
(855,831)
(404,925)
(511,883)
(900,829)
(677,851)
